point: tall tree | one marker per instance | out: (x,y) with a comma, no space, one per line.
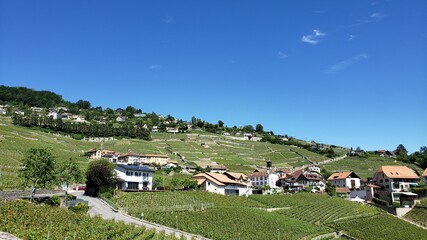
(69,172)
(259,128)
(38,168)
(401,153)
(100,177)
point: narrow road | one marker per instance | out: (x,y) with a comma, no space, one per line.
(98,207)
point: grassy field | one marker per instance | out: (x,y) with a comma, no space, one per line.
(364,167)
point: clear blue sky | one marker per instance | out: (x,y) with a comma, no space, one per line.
(350,73)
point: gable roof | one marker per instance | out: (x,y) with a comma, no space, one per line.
(342,175)
(217,178)
(235,175)
(258,173)
(425,173)
(398,172)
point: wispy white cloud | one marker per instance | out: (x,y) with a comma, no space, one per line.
(351,37)
(282,55)
(313,38)
(168,20)
(339,66)
(153,67)
(377,15)
(317,32)
(309,39)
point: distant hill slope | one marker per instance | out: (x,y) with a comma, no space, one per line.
(192,149)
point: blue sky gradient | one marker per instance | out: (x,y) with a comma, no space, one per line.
(349,73)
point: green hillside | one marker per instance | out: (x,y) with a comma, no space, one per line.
(193,148)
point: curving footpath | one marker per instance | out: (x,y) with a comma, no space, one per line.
(100,208)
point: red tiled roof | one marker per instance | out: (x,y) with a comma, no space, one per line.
(398,172)
(425,173)
(339,175)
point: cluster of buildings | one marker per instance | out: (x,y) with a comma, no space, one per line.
(389,183)
(133,170)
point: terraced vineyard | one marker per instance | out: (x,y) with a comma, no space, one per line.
(381,226)
(195,148)
(316,208)
(224,217)
(31,221)
(419,213)
(297,216)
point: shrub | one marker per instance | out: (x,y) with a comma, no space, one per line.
(396,204)
(54,201)
(379,201)
(80,208)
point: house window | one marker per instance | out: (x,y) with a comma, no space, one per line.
(381,181)
(127,173)
(386,180)
(386,186)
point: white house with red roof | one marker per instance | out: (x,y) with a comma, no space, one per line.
(347,179)
(395,182)
(227,183)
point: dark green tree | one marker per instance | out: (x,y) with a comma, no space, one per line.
(259,128)
(100,177)
(220,124)
(401,153)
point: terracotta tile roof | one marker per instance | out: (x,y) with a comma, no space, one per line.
(236,175)
(398,172)
(217,167)
(217,178)
(373,186)
(258,174)
(425,173)
(339,175)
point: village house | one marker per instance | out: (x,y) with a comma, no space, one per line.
(132,177)
(424,175)
(129,159)
(171,130)
(227,183)
(347,179)
(97,154)
(159,159)
(217,168)
(302,179)
(395,183)
(264,178)
(170,165)
(385,153)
